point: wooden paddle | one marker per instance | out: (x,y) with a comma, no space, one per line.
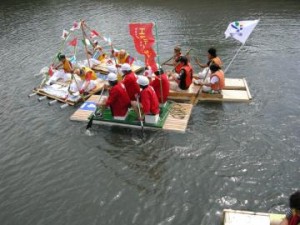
(90,123)
(140,114)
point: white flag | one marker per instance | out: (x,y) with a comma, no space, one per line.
(240,30)
(76,26)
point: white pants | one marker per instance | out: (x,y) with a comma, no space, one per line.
(77,85)
(201,75)
(59,74)
(91,63)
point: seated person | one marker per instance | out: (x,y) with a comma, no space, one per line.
(97,55)
(147,102)
(62,71)
(293,214)
(161,85)
(184,78)
(122,57)
(129,80)
(175,59)
(216,80)
(212,59)
(85,81)
(118,99)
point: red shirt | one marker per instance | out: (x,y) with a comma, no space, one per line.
(165,87)
(149,101)
(118,100)
(131,85)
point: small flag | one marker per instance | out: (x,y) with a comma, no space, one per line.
(108,40)
(73,42)
(50,71)
(241,30)
(94,34)
(76,26)
(64,34)
(86,42)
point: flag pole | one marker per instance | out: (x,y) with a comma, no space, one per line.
(160,81)
(237,52)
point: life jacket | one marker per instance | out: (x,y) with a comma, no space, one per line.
(178,65)
(87,70)
(67,66)
(189,74)
(221,84)
(295,219)
(122,60)
(217,61)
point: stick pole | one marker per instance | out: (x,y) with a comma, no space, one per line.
(237,52)
(160,80)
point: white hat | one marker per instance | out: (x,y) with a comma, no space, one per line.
(112,77)
(142,80)
(111,68)
(125,67)
(95,42)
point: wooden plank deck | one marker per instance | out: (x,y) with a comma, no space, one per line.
(236,90)
(237,217)
(176,121)
(41,91)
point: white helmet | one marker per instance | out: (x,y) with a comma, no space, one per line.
(125,67)
(112,77)
(143,81)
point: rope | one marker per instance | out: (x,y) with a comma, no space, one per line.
(177,111)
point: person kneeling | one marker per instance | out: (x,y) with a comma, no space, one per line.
(118,99)
(146,106)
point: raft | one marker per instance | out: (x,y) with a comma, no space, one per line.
(236,217)
(236,90)
(173,116)
(59,92)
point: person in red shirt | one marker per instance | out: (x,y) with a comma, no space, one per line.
(148,102)
(118,99)
(161,85)
(129,80)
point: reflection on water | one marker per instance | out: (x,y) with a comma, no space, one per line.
(52,172)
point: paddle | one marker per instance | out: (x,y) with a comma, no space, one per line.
(200,89)
(140,114)
(90,123)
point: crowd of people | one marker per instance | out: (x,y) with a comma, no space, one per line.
(144,93)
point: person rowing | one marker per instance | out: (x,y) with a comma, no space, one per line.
(213,59)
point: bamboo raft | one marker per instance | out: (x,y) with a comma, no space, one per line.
(176,119)
(69,101)
(236,217)
(236,90)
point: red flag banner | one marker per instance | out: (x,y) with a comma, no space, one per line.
(73,42)
(94,34)
(143,40)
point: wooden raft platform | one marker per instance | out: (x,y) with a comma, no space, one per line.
(236,217)
(42,92)
(236,90)
(177,119)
